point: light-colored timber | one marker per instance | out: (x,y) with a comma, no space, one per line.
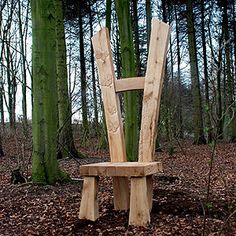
(103,56)
(128,84)
(152,89)
(89,201)
(121,169)
(139,197)
(121,191)
(139,214)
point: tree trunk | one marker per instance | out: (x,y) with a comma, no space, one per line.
(230,118)
(96,124)
(220,115)
(1,91)
(83,74)
(205,65)
(197,102)
(23,66)
(179,102)
(11,83)
(128,70)
(136,36)
(45,168)
(108,15)
(66,146)
(148,21)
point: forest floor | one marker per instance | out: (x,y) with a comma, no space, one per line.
(179,206)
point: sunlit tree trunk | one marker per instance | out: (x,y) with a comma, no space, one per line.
(45,168)
(128,70)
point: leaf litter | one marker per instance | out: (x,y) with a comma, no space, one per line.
(179,205)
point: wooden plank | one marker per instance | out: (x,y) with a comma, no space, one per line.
(89,202)
(150,191)
(129,84)
(121,193)
(152,89)
(121,169)
(103,55)
(139,214)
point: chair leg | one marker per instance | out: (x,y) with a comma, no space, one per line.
(139,214)
(89,201)
(121,193)
(150,191)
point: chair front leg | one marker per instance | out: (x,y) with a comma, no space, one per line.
(139,214)
(89,201)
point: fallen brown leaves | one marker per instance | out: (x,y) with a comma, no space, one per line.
(179,199)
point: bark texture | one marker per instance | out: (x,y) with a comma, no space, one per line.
(128,70)
(45,168)
(197,102)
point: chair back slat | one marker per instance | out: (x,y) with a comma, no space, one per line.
(103,55)
(152,89)
(152,84)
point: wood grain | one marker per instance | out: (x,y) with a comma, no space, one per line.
(128,84)
(139,208)
(89,202)
(103,55)
(152,89)
(121,191)
(121,169)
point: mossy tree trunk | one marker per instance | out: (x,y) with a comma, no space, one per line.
(128,70)
(197,102)
(66,145)
(45,168)
(134,6)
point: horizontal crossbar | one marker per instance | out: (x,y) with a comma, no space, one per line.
(137,169)
(128,84)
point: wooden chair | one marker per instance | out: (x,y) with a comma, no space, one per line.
(139,198)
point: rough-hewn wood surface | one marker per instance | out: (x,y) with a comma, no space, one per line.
(121,169)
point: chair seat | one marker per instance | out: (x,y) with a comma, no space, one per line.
(125,169)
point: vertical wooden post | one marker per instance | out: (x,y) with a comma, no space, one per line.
(139,208)
(89,202)
(152,95)
(152,89)
(103,55)
(121,191)
(150,191)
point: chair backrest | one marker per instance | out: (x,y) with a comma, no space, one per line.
(152,85)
